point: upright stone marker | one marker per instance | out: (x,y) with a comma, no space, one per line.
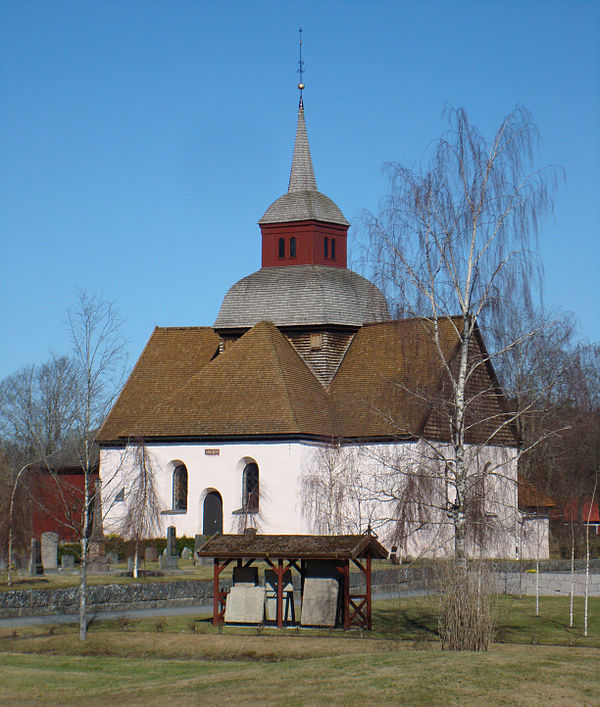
(169,560)
(245,605)
(67,561)
(319,602)
(97,544)
(50,551)
(199,541)
(35,562)
(150,554)
(171,541)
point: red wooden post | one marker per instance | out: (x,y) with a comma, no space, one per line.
(216,593)
(346,595)
(369,592)
(280,594)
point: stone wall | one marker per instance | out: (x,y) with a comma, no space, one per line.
(104,597)
(554,579)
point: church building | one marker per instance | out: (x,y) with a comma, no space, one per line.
(292,413)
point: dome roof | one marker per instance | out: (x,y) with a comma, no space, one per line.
(302,295)
(303,206)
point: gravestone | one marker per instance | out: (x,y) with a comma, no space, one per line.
(171,540)
(35,562)
(50,551)
(130,564)
(319,602)
(150,554)
(186,553)
(199,541)
(97,545)
(112,557)
(245,605)
(168,560)
(67,562)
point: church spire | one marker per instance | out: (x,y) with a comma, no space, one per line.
(302,175)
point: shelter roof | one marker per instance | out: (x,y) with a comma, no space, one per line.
(324,547)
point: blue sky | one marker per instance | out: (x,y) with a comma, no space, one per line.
(140,142)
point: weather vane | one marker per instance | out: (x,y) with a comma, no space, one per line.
(300,63)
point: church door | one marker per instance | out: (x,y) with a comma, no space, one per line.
(213,514)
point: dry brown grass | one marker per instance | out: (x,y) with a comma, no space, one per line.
(336,671)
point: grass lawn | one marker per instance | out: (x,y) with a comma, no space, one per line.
(184,660)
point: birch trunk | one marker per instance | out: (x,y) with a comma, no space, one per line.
(572,592)
(537,587)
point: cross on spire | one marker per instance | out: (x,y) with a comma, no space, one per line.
(300,63)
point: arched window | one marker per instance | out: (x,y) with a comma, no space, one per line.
(326,247)
(292,247)
(333,248)
(282,247)
(180,488)
(250,488)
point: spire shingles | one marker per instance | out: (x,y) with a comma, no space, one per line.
(302,175)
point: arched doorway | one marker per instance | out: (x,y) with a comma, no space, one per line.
(212,513)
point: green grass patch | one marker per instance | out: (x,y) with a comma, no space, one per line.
(186,659)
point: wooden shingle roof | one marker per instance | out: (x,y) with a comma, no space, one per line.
(335,547)
(259,387)
(170,357)
(387,378)
(388,385)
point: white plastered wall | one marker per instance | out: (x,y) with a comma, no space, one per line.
(214,467)
(285,506)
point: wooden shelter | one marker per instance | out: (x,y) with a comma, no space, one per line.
(283,553)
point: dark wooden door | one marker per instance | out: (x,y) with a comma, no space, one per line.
(213,514)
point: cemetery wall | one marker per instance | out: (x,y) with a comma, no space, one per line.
(510,577)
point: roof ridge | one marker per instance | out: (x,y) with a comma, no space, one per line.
(282,371)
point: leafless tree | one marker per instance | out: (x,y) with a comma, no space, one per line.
(99,355)
(454,242)
(334,497)
(60,404)
(37,415)
(142,514)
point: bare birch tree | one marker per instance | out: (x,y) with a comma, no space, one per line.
(99,354)
(142,514)
(454,242)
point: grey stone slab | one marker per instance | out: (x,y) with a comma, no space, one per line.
(112,558)
(35,562)
(319,602)
(50,551)
(168,562)
(171,540)
(186,553)
(245,605)
(67,561)
(151,554)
